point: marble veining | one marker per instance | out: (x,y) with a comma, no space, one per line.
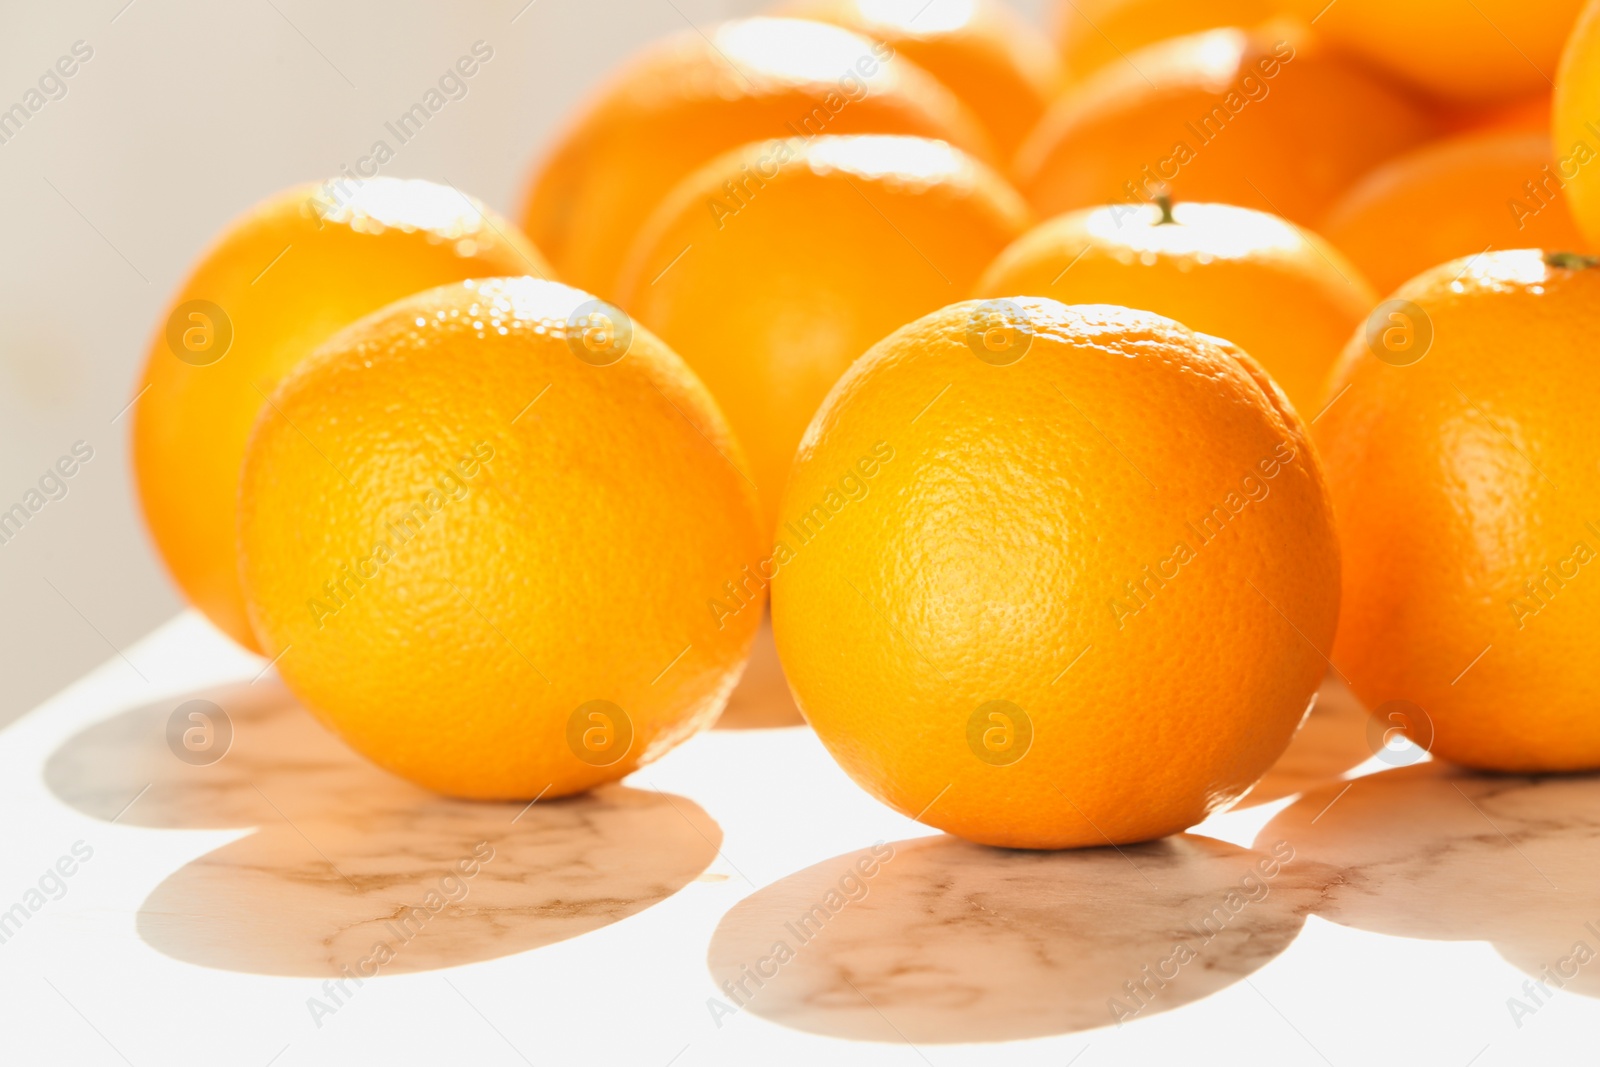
(936,940)
(347,869)
(350,870)
(1438,852)
(951,942)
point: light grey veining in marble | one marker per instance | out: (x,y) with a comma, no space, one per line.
(951,942)
(1438,852)
(936,940)
(344,867)
(347,866)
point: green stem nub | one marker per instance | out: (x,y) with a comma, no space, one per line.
(1164,202)
(1571,261)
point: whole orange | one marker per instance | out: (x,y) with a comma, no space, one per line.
(1021,601)
(1577,121)
(985,52)
(1464,50)
(689,98)
(772,268)
(279,281)
(479,530)
(1091,34)
(1275,290)
(1462,458)
(1265,118)
(1457,197)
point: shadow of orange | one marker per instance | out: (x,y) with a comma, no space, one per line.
(937,940)
(761,701)
(352,868)
(1435,851)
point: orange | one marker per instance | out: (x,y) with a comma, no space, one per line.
(982,50)
(1528,114)
(1577,121)
(279,281)
(1265,119)
(1462,50)
(1277,291)
(1096,33)
(1456,197)
(775,266)
(692,97)
(1465,486)
(481,527)
(1050,576)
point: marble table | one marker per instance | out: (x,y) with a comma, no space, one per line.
(240,888)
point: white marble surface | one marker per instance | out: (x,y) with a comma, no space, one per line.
(742,902)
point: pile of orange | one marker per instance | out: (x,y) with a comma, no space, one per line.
(1074,409)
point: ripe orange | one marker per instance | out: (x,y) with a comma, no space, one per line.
(481,527)
(1464,50)
(1275,290)
(1266,119)
(1577,120)
(690,98)
(1096,33)
(279,281)
(1452,198)
(1468,506)
(985,52)
(1020,600)
(1528,114)
(774,267)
